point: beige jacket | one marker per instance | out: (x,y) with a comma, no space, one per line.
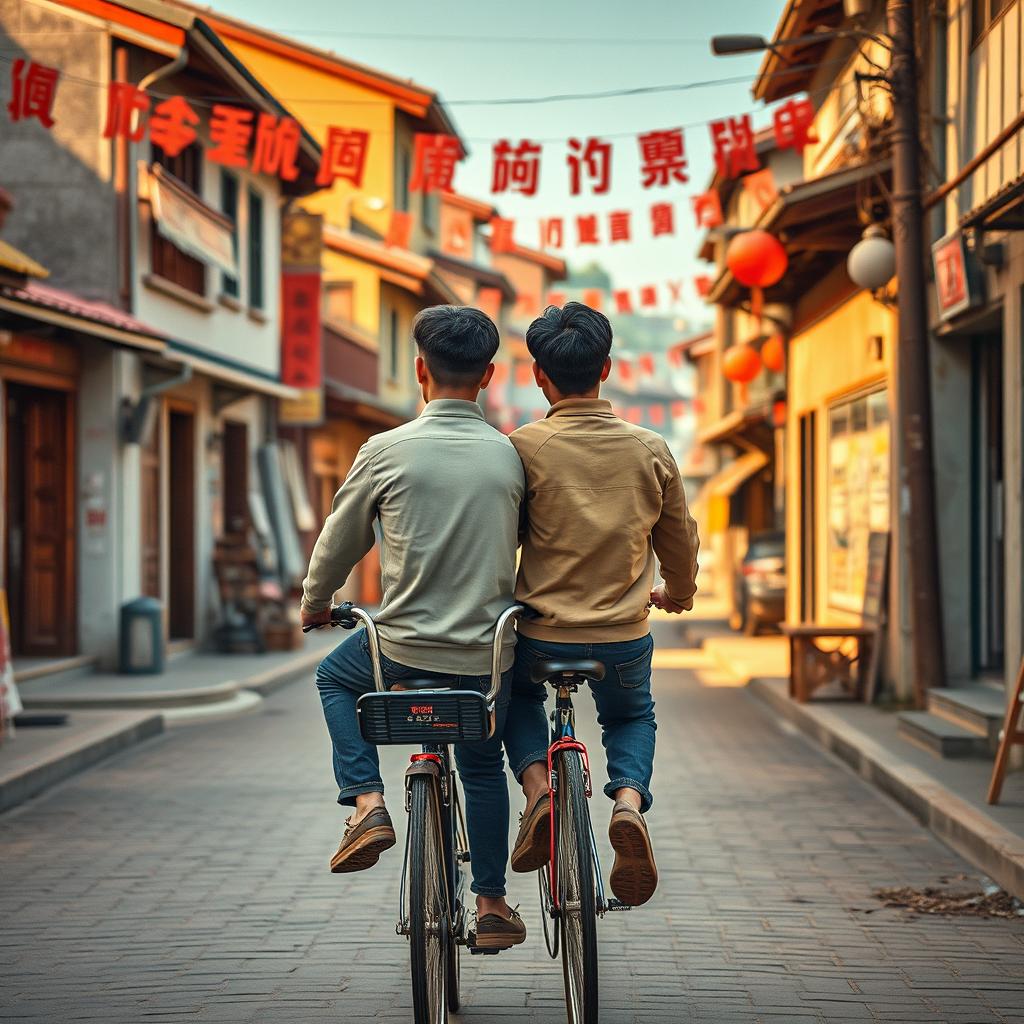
(603,498)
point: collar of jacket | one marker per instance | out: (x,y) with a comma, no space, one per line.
(581,407)
(452,407)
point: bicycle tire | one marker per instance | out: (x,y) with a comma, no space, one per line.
(460,845)
(577,893)
(429,927)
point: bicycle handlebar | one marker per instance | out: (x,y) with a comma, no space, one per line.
(348,616)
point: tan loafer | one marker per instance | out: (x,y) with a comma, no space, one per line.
(532,849)
(364,842)
(634,875)
(492,931)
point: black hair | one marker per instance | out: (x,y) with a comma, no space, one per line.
(571,345)
(457,343)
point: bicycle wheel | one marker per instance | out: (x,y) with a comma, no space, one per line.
(457,889)
(577,893)
(429,932)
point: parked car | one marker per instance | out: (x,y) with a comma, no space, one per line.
(760,584)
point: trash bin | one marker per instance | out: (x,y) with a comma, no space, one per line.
(142,636)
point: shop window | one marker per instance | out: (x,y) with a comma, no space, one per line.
(166,259)
(983,13)
(229,207)
(255,250)
(858,492)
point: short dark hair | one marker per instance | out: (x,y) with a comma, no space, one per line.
(457,343)
(571,345)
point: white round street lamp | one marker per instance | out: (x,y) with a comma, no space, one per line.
(872,261)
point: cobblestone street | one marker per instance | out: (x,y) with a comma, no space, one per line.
(187,880)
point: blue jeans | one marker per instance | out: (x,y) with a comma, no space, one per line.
(625,710)
(343,676)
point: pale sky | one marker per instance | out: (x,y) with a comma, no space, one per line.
(537,48)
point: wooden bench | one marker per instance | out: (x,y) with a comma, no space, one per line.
(852,662)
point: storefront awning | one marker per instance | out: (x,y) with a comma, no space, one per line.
(744,428)
(726,482)
(58,308)
(18,262)
(187,222)
(231,373)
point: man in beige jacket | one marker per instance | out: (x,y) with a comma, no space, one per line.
(604,498)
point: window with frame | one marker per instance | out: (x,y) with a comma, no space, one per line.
(857,501)
(229,207)
(166,259)
(983,13)
(256,297)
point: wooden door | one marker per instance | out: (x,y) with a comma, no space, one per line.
(152,520)
(235,477)
(40,520)
(181,552)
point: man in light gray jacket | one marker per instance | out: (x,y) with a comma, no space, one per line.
(445,491)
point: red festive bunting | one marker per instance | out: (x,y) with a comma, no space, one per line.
(760,186)
(594,158)
(434,160)
(33,92)
(734,147)
(399,230)
(276,150)
(625,368)
(675,291)
(124,101)
(171,126)
(527,303)
(699,405)
(703,282)
(516,168)
(552,233)
(524,374)
(594,298)
(792,125)
(646,364)
(678,410)
(586,230)
(663,219)
(230,132)
(707,209)
(618,225)
(649,296)
(343,156)
(656,414)
(502,231)
(623,301)
(675,356)
(634,414)
(662,158)
(556,299)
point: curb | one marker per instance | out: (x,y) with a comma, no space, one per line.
(268,682)
(988,845)
(48,770)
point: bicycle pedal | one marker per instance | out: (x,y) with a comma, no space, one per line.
(482,951)
(614,904)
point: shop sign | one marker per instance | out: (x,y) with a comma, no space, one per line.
(301,339)
(957,287)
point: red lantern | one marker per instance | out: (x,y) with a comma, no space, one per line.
(756,259)
(740,363)
(773,353)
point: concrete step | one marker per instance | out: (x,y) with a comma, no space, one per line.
(940,736)
(979,709)
(29,672)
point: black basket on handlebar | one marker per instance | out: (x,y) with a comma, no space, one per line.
(424,716)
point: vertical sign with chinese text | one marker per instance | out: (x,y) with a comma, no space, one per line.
(301,342)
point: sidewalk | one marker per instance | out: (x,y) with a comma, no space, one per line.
(107,712)
(946,795)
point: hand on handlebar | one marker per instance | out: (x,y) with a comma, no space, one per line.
(338,615)
(660,599)
(314,620)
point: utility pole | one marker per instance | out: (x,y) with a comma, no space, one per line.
(917,479)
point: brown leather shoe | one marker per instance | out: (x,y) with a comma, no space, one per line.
(634,875)
(492,931)
(364,842)
(532,848)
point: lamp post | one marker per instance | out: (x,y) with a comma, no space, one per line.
(913,392)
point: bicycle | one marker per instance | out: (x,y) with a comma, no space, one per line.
(571,886)
(432,908)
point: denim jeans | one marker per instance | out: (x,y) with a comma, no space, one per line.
(343,676)
(625,710)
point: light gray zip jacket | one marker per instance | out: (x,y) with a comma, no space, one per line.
(445,489)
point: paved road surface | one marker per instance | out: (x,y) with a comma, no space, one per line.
(186,880)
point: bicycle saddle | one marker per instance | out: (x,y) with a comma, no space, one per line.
(547,671)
